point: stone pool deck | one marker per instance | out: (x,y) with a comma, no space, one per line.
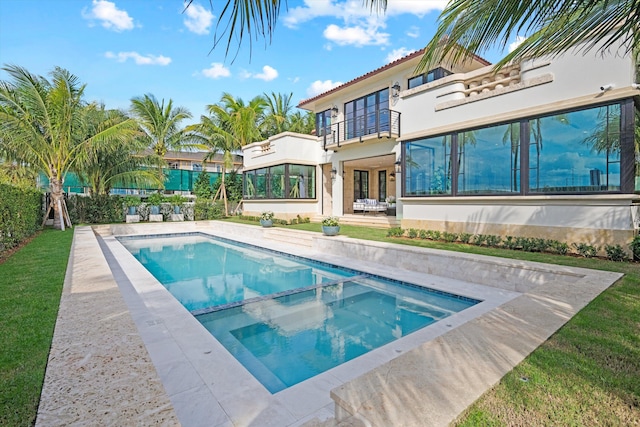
(124,353)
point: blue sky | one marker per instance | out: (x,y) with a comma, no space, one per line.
(126,48)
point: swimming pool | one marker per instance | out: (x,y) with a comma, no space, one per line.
(287,318)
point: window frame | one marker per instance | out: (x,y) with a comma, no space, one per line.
(628,164)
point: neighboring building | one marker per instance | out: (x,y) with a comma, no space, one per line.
(182,172)
(542,148)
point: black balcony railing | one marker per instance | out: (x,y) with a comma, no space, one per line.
(384,123)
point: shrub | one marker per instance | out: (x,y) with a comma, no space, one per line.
(268,216)
(510,242)
(449,237)
(413,233)
(480,239)
(97,209)
(20,215)
(635,247)
(559,247)
(395,232)
(204,209)
(585,250)
(423,234)
(330,221)
(615,253)
(493,241)
(434,234)
(465,237)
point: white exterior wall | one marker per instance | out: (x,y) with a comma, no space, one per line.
(286,147)
(565,82)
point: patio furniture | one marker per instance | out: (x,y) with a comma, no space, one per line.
(369,205)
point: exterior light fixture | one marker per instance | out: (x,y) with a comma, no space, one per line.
(392,176)
(334,172)
(398,166)
(395,90)
(334,111)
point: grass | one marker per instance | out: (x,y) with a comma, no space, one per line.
(30,287)
(587,373)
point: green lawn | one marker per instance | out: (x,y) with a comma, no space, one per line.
(30,287)
(588,373)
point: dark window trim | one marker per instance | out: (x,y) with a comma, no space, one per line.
(627,153)
(287,184)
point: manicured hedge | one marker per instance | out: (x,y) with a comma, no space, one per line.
(20,215)
(95,209)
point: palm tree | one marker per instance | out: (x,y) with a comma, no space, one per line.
(551,27)
(302,122)
(277,113)
(44,124)
(160,123)
(123,163)
(230,125)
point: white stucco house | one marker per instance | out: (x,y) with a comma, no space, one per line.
(542,148)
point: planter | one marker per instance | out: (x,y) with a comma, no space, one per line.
(155,210)
(266,222)
(330,230)
(131,210)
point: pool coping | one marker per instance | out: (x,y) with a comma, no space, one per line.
(182,352)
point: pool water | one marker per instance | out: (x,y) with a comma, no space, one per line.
(286,318)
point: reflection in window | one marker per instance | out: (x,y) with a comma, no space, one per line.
(284,181)
(576,152)
(302,182)
(323,123)
(261,183)
(276,181)
(572,152)
(488,160)
(427,166)
(367,115)
(432,75)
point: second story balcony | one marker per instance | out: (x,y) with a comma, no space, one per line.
(382,123)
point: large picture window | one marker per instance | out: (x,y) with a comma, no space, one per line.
(488,160)
(428,166)
(286,181)
(573,152)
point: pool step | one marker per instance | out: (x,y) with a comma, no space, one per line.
(296,237)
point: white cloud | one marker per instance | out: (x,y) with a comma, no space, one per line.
(397,54)
(513,45)
(216,71)
(198,19)
(357,24)
(356,36)
(139,59)
(413,7)
(111,17)
(413,32)
(268,73)
(319,87)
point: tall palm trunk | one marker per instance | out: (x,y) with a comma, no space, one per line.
(57,203)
